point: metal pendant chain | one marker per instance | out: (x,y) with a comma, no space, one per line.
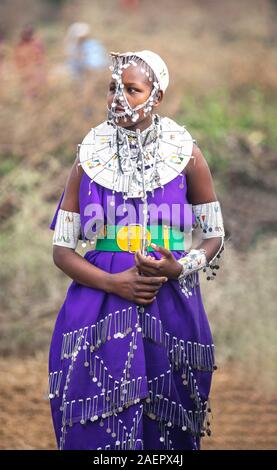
(127,157)
(132,148)
(144,198)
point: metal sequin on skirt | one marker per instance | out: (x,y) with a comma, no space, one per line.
(133,429)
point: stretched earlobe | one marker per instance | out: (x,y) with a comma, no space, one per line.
(159,98)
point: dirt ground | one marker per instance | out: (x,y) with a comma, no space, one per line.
(242,418)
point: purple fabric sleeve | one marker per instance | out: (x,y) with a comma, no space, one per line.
(53,223)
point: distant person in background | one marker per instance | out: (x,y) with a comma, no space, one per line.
(4,61)
(2,51)
(30,62)
(84,53)
(130,4)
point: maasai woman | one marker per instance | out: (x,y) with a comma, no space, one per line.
(132,355)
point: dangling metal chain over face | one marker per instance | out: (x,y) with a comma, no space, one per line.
(119,64)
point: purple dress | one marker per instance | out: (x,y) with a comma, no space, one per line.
(125,378)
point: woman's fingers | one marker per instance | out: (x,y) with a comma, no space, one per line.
(161,249)
(143,301)
(143,261)
(149,272)
(145,288)
(145,295)
(152,280)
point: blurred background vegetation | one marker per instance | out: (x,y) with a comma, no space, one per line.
(222,61)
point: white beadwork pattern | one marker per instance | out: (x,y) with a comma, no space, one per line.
(209,219)
(166,152)
(67,229)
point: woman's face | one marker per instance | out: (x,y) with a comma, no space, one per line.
(137,89)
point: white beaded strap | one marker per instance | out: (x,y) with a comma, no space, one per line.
(209,219)
(191,262)
(67,229)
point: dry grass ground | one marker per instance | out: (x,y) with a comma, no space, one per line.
(242,417)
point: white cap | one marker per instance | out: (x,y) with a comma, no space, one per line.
(156,63)
(78,30)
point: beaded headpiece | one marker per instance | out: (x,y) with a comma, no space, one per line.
(154,69)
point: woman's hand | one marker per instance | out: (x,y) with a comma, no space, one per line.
(166,266)
(132,286)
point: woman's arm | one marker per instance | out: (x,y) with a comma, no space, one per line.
(66,259)
(200,190)
(80,270)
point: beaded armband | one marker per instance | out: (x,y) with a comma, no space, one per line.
(192,262)
(67,229)
(209,218)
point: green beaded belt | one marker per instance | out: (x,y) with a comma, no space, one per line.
(129,238)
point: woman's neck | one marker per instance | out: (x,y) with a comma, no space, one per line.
(142,125)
